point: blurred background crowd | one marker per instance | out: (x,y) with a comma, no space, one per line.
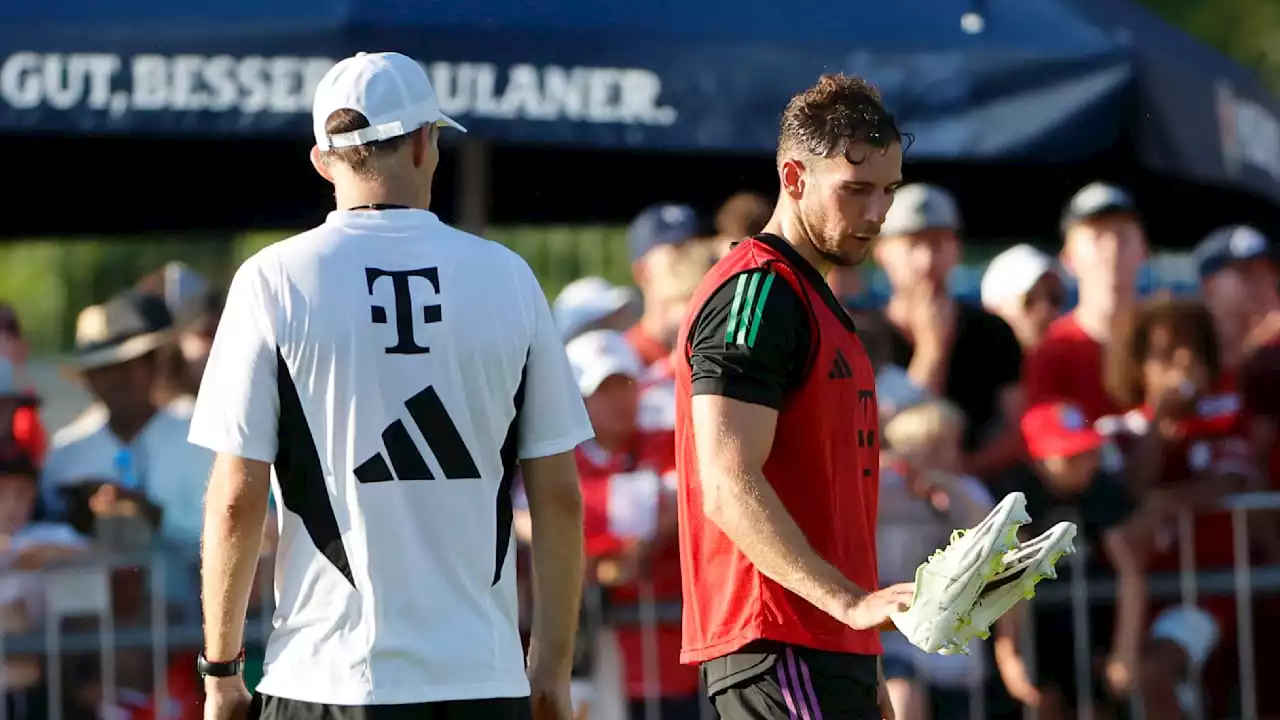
(1076,297)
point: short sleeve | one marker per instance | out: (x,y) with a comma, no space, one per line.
(1006,352)
(553,419)
(237,410)
(1043,379)
(750,340)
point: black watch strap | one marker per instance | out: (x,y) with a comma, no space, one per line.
(228,668)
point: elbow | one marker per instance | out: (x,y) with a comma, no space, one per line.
(717,502)
(557,503)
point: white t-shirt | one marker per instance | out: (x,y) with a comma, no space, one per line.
(169,470)
(908,531)
(393,370)
(28,587)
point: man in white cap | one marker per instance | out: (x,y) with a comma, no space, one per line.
(375,376)
(949,348)
(628,489)
(1021,285)
(591,303)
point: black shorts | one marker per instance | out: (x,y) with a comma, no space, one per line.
(771,680)
(267,707)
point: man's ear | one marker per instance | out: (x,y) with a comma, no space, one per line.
(423,143)
(792,179)
(638,272)
(318,163)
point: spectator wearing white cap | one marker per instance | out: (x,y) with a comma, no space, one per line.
(950,349)
(1022,286)
(628,489)
(592,303)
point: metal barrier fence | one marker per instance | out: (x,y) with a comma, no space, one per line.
(86,590)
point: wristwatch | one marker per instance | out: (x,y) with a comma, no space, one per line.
(230,668)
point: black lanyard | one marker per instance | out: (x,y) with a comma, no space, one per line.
(379,206)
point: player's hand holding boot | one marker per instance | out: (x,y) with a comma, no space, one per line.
(873,609)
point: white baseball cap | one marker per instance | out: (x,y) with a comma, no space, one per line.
(391,90)
(600,354)
(1012,273)
(587,301)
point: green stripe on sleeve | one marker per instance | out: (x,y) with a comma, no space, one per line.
(735,310)
(759,311)
(744,320)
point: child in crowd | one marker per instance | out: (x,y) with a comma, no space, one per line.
(26,548)
(923,498)
(1069,458)
(1186,447)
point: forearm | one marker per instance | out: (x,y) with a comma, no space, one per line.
(230,547)
(1131,613)
(750,513)
(1000,453)
(558,567)
(1131,589)
(1146,461)
(928,368)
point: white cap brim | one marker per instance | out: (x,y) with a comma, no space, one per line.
(574,319)
(592,378)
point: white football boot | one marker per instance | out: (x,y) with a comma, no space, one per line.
(950,582)
(1024,567)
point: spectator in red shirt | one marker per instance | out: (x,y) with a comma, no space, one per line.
(628,491)
(26,427)
(1187,448)
(656,232)
(1239,278)
(1103,248)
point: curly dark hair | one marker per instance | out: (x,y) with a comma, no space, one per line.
(1169,324)
(835,113)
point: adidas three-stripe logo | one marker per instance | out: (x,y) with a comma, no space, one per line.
(747,308)
(840,369)
(432,419)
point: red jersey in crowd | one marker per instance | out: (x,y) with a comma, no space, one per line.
(1213,439)
(1260,387)
(766,330)
(625,497)
(649,348)
(1067,365)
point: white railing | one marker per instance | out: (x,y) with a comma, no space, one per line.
(84,591)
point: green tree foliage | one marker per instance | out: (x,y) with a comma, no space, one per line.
(1247,30)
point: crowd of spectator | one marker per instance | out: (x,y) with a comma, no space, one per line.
(1124,413)
(118,481)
